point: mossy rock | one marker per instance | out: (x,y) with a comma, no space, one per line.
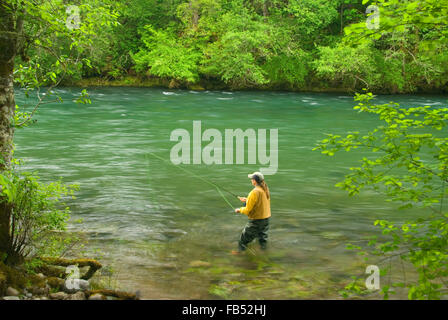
(196,87)
(3,283)
(51,271)
(12,277)
(199,263)
(55,283)
(331,235)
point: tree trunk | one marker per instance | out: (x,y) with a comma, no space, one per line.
(195,11)
(8,51)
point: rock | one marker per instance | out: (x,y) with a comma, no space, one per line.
(97,296)
(196,87)
(199,263)
(78,296)
(29,295)
(332,235)
(40,276)
(39,290)
(84,284)
(75,285)
(12,292)
(11,298)
(58,296)
(44,298)
(55,282)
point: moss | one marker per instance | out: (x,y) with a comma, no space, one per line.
(12,277)
(51,271)
(128,81)
(91,263)
(3,283)
(196,87)
(55,283)
(113,293)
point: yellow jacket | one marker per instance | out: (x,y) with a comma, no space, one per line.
(258,206)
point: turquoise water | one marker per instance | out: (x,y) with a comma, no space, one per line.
(152,222)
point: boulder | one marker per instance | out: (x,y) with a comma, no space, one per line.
(11,298)
(40,276)
(39,290)
(54,282)
(12,292)
(78,296)
(97,296)
(58,296)
(72,286)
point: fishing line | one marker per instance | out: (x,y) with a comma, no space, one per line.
(219,188)
(225,199)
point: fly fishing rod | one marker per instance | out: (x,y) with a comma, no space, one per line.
(218,187)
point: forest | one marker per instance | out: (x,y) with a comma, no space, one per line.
(259,44)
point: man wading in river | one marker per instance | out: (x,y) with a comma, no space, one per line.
(258,210)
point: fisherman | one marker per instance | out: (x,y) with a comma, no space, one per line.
(258,210)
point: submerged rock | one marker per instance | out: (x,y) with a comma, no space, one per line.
(332,235)
(199,263)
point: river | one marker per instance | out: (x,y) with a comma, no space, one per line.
(169,234)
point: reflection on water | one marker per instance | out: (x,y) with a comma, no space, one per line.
(168,234)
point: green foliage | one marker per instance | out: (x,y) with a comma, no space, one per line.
(288,70)
(36,210)
(347,63)
(167,57)
(235,58)
(397,16)
(242,44)
(411,37)
(312,16)
(53,47)
(409,164)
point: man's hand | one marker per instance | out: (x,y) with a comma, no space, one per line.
(237,210)
(242,199)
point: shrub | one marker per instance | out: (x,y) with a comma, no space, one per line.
(35,211)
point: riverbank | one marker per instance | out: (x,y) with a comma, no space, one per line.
(48,280)
(202,85)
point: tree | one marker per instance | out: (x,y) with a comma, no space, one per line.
(166,56)
(35,26)
(405,53)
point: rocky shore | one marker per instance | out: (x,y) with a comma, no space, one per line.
(46,292)
(52,283)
